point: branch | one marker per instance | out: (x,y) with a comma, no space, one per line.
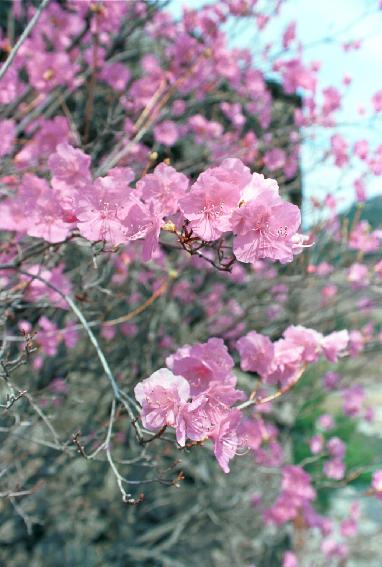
(85,324)
(253,401)
(22,38)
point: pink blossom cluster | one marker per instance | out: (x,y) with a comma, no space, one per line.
(197,392)
(227,198)
(281,362)
(195,395)
(296,493)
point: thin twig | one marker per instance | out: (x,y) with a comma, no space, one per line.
(22,38)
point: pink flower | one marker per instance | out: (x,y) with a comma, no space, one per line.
(59,386)
(234,113)
(70,165)
(193,421)
(274,159)
(204,129)
(36,289)
(335,345)
(363,239)
(349,527)
(256,353)
(202,364)
(254,431)
(325,422)
(164,187)
(377,101)
(333,549)
(116,75)
(361,149)
(48,337)
(161,396)
(332,100)
(297,483)
(42,211)
(334,469)
(376,483)
(316,444)
(353,399)
(378,268)
(102,207)
(166,133)
(336,447)
(287,362)
(7,136)
(289,559)
(100,212)
(142,222)
(360,190)
(296,492)
(213,197)
(339,148)
(358,275)
(48,70)
(258,184)
(264,227)
(289,35)
(331,380)
(226,439)
(308,339)
(45,140)
(296,75)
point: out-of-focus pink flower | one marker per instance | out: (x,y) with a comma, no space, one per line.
(335,345)
(332,549)
(316,444)
(296,492)
(289,559)
(357,342)
(289,35)
(361,149)
(360,190)
(377,101)
(376,483)
(349,527)
(336,447)
(334,469)
(358,275)
(7,136)
(274,159)
(49,135)
(332,100)
(339,148)
(353,399)
(363,239)
(325,422)
(116,75)
(331,380)
(166,133)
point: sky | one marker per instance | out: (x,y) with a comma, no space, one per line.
(317,22)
